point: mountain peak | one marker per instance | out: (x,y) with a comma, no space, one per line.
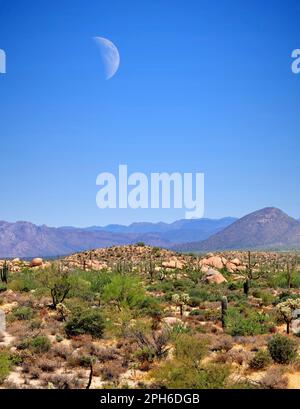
(266,228)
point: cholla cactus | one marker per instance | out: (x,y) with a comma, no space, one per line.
(63,311)
(287,309)
(180,300)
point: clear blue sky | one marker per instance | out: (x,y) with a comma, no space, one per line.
(203,85)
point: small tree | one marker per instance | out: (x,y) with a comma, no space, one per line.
(180,300)
(58,281)
(286,310)
(124,291)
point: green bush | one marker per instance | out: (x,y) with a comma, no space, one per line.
(38,344)
(266,297)
(280,280)
(23,313)
(252,323)
(5,365)
(195,312)
(179,375)
(2,287)
(282,349)
(85,322)
(24,281)
(261,360)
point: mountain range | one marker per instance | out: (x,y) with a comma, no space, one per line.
(24,239)
(268,228)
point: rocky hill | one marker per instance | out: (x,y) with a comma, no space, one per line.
(264,229)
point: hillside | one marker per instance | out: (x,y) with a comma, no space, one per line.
(266,228)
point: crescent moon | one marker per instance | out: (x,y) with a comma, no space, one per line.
(110,56)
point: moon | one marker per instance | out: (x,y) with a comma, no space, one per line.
(110,56)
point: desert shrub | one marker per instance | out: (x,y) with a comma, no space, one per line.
(279,280)
(238,356)
(274,379)
(195,312)
(252,323)
(47,364)
(38,344)
(183,284)
(179,329)
(236,297)
(224,343)
(24,281)
(266,297)
(235,285)
(261,360)
(111,371)
(3,287)
(282,349)
(5,365)
(36,324)
(205,293)
(176,374)
(63,381)
(62,351)
(285,295)
(23,313)
(189,347)
(151,306)
(85,322)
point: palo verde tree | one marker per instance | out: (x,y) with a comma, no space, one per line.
(125,291)
(58,280)
(287,309)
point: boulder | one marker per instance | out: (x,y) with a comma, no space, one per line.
(231,267)
(236,261)
(224,260)
(204,269)
(36,262)
(215,261)
(172,321)
(173,264)
(214,276)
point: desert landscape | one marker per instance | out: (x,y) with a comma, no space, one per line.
(138,316)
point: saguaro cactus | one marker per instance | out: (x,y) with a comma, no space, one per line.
(246,287)
(4,272)
(224,306)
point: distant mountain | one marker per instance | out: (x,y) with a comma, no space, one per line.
(264,229)
(24,239)
(177,232)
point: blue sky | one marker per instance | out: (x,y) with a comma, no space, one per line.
(203,86)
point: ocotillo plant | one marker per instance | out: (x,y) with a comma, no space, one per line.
(4,272)
(224,306)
